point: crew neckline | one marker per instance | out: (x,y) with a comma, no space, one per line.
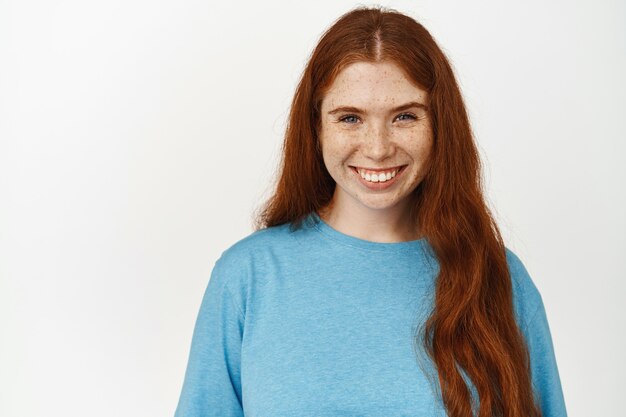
(318,223)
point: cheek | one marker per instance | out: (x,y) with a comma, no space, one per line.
(329,149)
(424,147)
(335,144)
(425,152)
(418,144)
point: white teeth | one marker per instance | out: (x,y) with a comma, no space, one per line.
(377,177)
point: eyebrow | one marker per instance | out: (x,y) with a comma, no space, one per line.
(395,109)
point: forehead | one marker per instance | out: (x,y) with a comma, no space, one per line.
(372,85)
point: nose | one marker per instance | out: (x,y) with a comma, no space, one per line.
(377,142)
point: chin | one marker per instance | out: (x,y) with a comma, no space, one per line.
(377,205)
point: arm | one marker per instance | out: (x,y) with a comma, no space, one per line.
(212,384)
(545,374)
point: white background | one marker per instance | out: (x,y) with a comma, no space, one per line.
(137,137)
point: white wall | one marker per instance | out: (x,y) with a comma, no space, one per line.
(136,138)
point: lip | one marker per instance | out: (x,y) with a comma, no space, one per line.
(378,169)
(379,186)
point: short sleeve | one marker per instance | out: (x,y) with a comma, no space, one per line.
(530,311)
(212,383)
(545,374)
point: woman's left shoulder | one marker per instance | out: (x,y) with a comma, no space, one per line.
(526,295)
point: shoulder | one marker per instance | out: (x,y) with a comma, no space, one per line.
(526,295)
(242,265)
(255,248)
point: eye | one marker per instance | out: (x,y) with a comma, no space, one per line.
(350,119)
(406,116)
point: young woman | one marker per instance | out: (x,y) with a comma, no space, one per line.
(377,283)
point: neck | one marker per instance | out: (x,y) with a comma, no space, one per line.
(388,225)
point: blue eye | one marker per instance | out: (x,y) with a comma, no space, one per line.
(349,119)
(410,116)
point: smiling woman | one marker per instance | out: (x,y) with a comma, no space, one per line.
(377,282)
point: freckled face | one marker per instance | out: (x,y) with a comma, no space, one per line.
(373,116)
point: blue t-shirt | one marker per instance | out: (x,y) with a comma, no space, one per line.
(317,323)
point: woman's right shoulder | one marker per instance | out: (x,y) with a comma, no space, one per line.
(245,266)
(247,258)
(257,243)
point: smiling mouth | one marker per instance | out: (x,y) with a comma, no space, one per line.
(378,171)
(378,176)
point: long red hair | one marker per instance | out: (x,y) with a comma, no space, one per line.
(472,328)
